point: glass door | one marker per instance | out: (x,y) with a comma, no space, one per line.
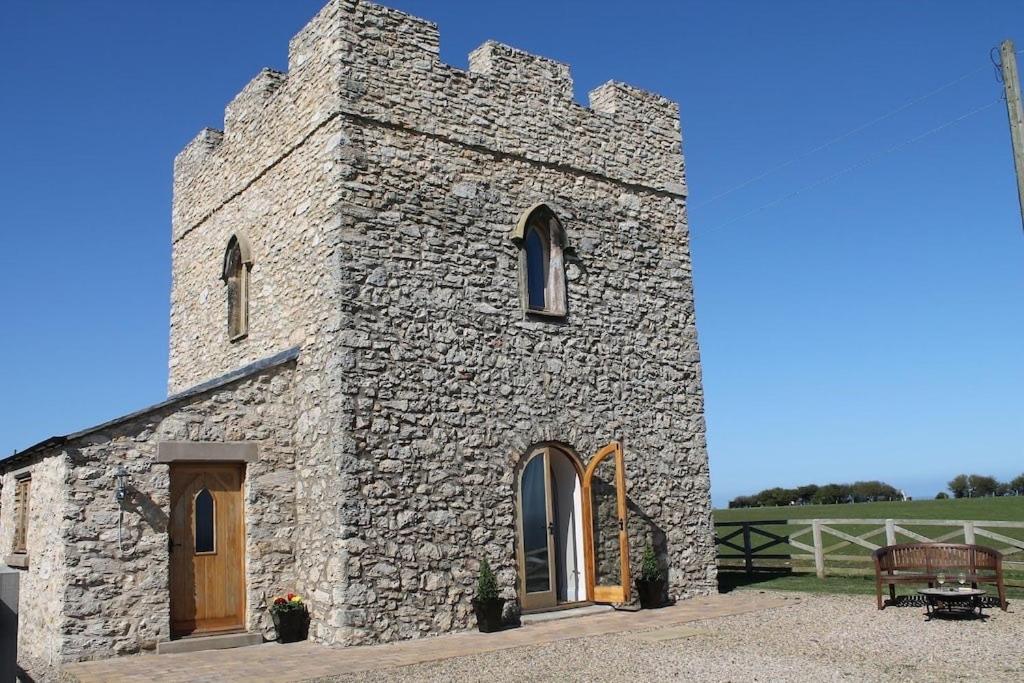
(536,534)
(604,515)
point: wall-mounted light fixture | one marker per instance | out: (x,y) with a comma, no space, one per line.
(120,482)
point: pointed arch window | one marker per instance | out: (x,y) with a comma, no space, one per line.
(237,262)
(204,520)
(541,238)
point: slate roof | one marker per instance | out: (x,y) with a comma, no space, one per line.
(217,382)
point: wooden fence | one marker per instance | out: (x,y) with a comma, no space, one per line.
(796,543)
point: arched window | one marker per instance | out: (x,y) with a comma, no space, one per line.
(537,260)
(205,523)
(237,261)
(542,273)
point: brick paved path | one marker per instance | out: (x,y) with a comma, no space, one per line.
(303,661)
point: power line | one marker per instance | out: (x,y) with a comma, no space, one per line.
(840,138)
(863,162)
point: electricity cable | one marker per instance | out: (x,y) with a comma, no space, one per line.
(840,138)
(863,162)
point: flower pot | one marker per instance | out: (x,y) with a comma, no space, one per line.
(650,592)
(292,625)
(488,614)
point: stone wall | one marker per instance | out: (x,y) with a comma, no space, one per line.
(41,600)
(378,187)
(273,175)
(453,384)
(103,593)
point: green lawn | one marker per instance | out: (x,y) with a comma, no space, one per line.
(1009,509)
(991,509)
(853,585)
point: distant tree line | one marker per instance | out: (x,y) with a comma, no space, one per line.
(812,494)
(980,486)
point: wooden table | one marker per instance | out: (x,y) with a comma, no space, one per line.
(952,600)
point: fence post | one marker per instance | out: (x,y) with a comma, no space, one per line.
(890,532)
(819,552)
(748,558)
(969,532)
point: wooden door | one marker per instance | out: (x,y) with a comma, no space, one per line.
(536,534)
(207,548)
(604,523)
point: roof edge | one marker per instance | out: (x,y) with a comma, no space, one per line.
(243,372)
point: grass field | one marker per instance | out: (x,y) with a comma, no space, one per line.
(1007,508)
(1010,509)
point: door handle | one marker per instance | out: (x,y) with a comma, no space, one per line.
(551,528)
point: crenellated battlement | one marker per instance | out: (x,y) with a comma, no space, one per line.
(512,67)
(376,64)
(249,103)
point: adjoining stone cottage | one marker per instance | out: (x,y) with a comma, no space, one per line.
(419,316)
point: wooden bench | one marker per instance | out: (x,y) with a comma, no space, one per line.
(919,563)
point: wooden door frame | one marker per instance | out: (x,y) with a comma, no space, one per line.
(548,598)
(617,594)
(243,568)
(544,449)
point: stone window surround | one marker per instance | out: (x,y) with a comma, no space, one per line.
(555,289)
(239,331)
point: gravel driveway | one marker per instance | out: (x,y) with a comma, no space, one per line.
(814,637)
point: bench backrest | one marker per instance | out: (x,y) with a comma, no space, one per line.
(934,557)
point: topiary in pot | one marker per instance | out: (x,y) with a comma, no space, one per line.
(487,605)
(650,585)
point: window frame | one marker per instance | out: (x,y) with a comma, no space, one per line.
(22,505)
(235,273)
(544,221)
(213,522)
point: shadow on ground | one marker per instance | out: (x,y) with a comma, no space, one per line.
(730,581)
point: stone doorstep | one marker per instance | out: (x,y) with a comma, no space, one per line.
(555,615)
(221,641)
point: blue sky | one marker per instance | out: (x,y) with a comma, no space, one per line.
(869,326)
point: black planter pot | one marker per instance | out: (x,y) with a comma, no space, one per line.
(488,614)
(292,625)
(650,593)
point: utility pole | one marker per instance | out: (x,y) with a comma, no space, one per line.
(1011,85)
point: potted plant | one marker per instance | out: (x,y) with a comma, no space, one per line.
(487,605)
(291,618)
(649,584)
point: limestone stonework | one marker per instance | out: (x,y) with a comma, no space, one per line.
(378,189)
(92,590)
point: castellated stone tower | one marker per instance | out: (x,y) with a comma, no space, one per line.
(380,198)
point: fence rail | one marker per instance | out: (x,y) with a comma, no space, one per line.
(792,542)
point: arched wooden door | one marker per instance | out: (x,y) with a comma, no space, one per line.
(604,537)
(605,531)
(207,548)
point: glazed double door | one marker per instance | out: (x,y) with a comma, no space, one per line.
(602,534)
(207,548)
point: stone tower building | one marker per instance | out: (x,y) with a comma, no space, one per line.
(419,316)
